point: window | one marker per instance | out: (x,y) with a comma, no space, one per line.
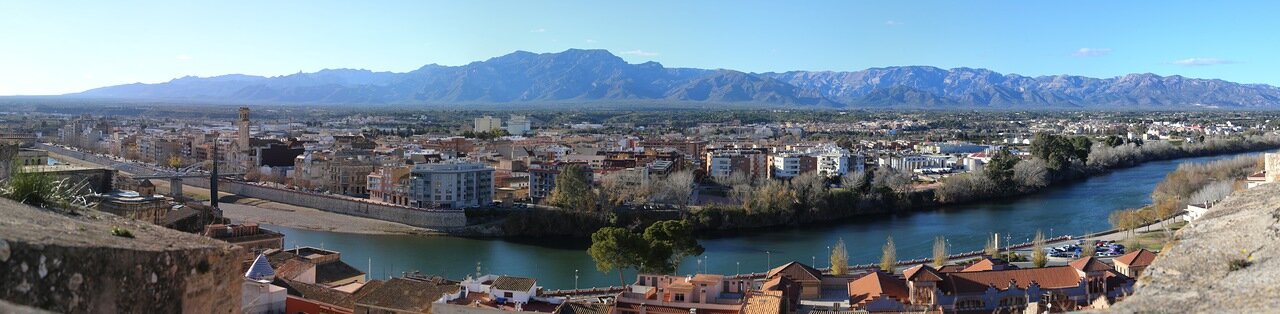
(508,295)
(680,297)
(970,304)
(1013,301)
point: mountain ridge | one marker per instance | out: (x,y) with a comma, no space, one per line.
(587,75)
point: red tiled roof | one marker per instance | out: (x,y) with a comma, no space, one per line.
(1089,264)
(767,302)
(951,269)
(875,285)
(1141,257)
(1054,277)
(921,272)
(796,271)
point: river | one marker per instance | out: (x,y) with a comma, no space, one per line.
(1074,208)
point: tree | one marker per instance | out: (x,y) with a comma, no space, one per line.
(1031,174)
(811,189)
(888,256)
(676,188)
(939,252)
(1038,257)
(572,190)
(889,180)
(1000,169)
(854,181)
(175,162)
(839,259)
(670,241)
(1088,249)
(616,249)
(991,249)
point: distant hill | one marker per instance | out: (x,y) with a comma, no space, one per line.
(583,76)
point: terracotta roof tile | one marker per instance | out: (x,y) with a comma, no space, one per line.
(796,271)
(875,285)
(921,272)
(1141,257)
(769,302)
(1054,277)
(406,295)
(1089,264)
(584,308)
(513,283)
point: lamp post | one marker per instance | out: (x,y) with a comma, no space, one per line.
(738,270)
(829,254)
(575,279)
(768,260)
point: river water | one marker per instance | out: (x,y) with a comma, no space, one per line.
(1074,208)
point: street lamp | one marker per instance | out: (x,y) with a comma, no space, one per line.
(575,279)
(829,253)
(739,269)
(768,260)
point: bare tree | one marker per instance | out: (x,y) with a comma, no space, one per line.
(1213,193)
(811,189)
(839,258)
(676,188)
(1031,174)
(854,180)
(888,256)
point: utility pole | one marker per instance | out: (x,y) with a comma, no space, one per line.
(213,179)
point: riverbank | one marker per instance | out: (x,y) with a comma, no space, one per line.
(245,209)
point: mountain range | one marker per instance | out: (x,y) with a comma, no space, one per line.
(586,76)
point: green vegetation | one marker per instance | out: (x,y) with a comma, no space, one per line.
(1038,257)
(572,190)
(839,259)
(41,189)
(939,252)
(888,256)
(121,232)
(658,250)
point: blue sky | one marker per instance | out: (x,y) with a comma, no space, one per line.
(54,47)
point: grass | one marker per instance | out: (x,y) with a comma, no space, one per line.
(42,190)
(1153,240)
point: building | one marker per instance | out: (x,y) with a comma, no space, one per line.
(247,235)
(315,266)
(258,295)
(701,293)
(390,184)
(542,177)
(1271,167)
(518,125)
(750,162)
(31,157)
(142,205)
(486,124)
(451,185)
(991,287)
(787,165)
(1133,263)
(403,296)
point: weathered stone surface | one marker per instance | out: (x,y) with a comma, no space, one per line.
(1194,276)
(74,264)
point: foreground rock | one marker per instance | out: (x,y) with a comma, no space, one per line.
(77,264)
(1195,274)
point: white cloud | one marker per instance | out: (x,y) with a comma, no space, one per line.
(640,53)
(1202,61)
(182,57)
(1092,52)
(538,30)
(892,23)
(591,41)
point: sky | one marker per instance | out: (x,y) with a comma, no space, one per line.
(57,47)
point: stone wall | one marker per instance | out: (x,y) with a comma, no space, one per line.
(1271,164)
(343,205)
(74,264)
(1196,275)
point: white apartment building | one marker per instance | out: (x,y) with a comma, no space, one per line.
(487,123)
